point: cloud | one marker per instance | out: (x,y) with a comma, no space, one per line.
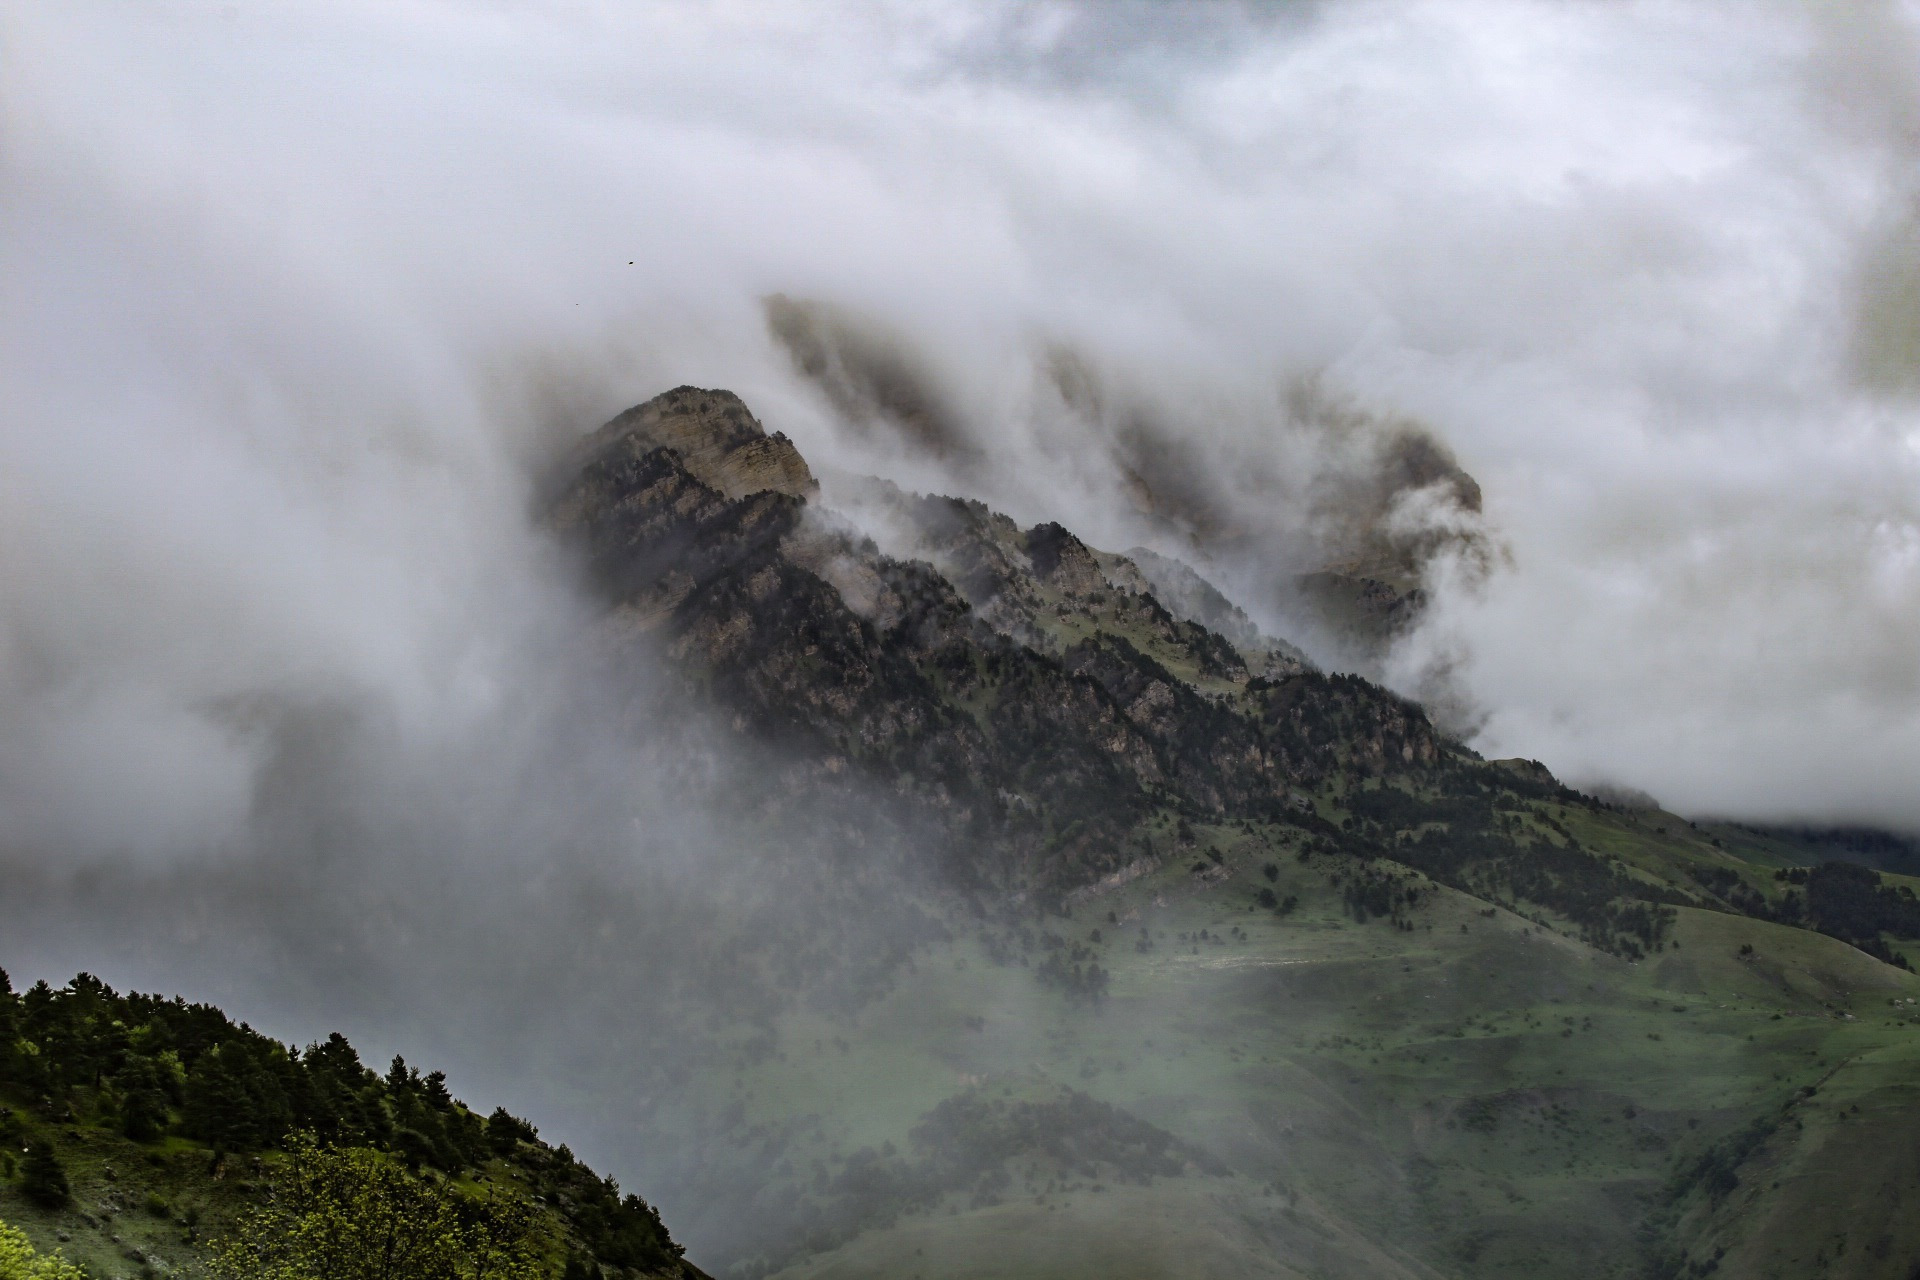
(868,379)
(294,296)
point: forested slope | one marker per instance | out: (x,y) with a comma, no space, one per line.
(139,1130)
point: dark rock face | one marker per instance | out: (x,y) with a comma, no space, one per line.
(1003,682)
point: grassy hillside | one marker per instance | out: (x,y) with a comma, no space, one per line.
(1447,1089)
(1226,1088)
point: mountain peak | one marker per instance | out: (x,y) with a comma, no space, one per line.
(718,439)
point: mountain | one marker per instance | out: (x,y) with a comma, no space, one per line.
(1225,965)
(148,1128)
(1036,691)
(1019,683)
(1045,918)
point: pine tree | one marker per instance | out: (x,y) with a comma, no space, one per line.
(9,1024)
(143,1117)
(42,1179)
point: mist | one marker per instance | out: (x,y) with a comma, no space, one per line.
(1597,321)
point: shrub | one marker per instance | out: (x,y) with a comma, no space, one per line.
(344,1214)
(18,1261)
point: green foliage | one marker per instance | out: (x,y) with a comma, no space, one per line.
(353,1214)
(1368,893)
(18,1261)
(1070,968)
(506,1131)
(621,1231)
(144,1110)
(236,1096)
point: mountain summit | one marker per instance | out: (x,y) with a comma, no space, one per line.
(716,439)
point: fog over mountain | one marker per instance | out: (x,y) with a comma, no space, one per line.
(1596,323)
(292,296)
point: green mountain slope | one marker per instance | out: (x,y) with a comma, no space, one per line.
(1464,1092)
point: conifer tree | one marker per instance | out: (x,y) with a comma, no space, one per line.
(42,1179)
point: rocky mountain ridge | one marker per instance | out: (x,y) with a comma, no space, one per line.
(1019,682)
(1026,695)
(1037,700)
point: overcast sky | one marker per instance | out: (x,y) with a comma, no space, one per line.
(293,297)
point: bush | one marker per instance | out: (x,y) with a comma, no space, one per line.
(352,1213)
(18,1261)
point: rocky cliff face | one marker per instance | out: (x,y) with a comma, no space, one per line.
(1013,684)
